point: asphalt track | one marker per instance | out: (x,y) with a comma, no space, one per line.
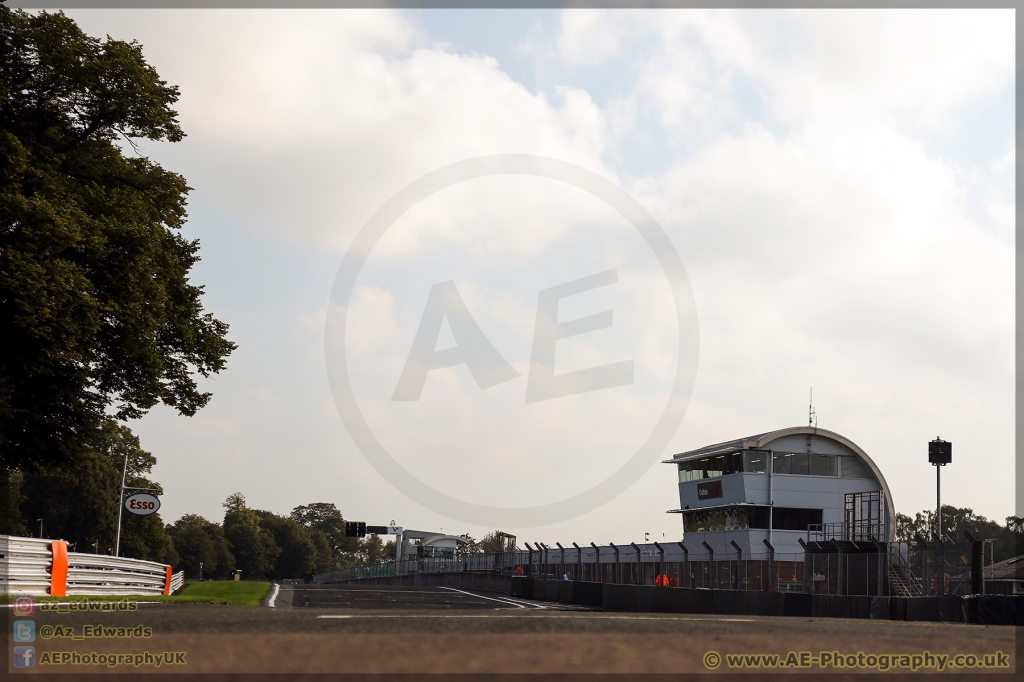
(417,630)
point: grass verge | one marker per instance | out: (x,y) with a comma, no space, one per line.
(222,592)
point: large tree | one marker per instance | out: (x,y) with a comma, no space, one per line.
(97,314)
(253,546)
(79,502)
(327,519)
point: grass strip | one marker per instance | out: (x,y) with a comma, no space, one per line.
(221,592)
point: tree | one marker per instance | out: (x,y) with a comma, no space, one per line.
(79,503)
(199,540)
(298,555)
(97,313)
(496,541)
(955,520)
(253,546)
(371,550)
(325,517)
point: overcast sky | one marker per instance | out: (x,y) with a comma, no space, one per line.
(838,185)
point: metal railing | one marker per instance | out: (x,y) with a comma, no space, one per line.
(858,531)
(25,565)
(45,567)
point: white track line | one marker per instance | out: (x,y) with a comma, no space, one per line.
(502,601)
(277,588)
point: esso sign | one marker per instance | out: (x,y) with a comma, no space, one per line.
(142,504)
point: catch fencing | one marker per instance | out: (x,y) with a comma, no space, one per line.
(873,569)
(46,567)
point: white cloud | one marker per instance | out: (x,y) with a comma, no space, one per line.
(793,156)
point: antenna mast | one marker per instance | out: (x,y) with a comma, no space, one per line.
(812,416)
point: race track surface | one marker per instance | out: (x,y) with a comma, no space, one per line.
(417,630)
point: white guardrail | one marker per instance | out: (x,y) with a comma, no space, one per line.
(46,567)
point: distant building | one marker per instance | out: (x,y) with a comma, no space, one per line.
(774,486)
(419,544)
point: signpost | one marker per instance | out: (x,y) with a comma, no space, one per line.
(122,503)
(940,453)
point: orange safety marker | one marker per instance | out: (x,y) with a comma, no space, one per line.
(59,569)
(167,580)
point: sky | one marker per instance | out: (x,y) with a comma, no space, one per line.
(838,185)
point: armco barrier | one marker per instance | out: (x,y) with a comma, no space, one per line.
(41,567)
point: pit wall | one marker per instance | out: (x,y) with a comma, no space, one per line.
(981,609)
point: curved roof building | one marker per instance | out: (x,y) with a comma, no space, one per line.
(780,486)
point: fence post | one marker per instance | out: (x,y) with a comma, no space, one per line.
(529,564)
(579,562)
(562,557)
(661,561)
(597,562)
(808,566)
(977,557)
(771,564)
(711,564)
(924,563)
(739,561)
(639,566)
(617,574)
(687,582)
(58,568)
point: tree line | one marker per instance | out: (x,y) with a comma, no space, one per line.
(1006,540)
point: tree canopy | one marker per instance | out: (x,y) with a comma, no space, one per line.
(98,317)
(79,502)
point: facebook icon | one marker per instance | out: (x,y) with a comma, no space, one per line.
(24,657)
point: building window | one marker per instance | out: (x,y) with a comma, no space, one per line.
(791,518)
(755,462)
(710,467)
(804,463)
(743,516)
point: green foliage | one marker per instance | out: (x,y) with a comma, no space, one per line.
(253,546)
(298,554)
(79,502)
(496,541)
(198,540)
(325,517)
(97,314)
(371,550)
(955,520)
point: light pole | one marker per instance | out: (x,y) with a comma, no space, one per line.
(940,453)
(40,528)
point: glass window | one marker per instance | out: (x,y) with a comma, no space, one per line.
(755,462)
(738,517)
(791,518)
(783,463)
(822,465)
(800,463)
(719,518)
(710,467)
